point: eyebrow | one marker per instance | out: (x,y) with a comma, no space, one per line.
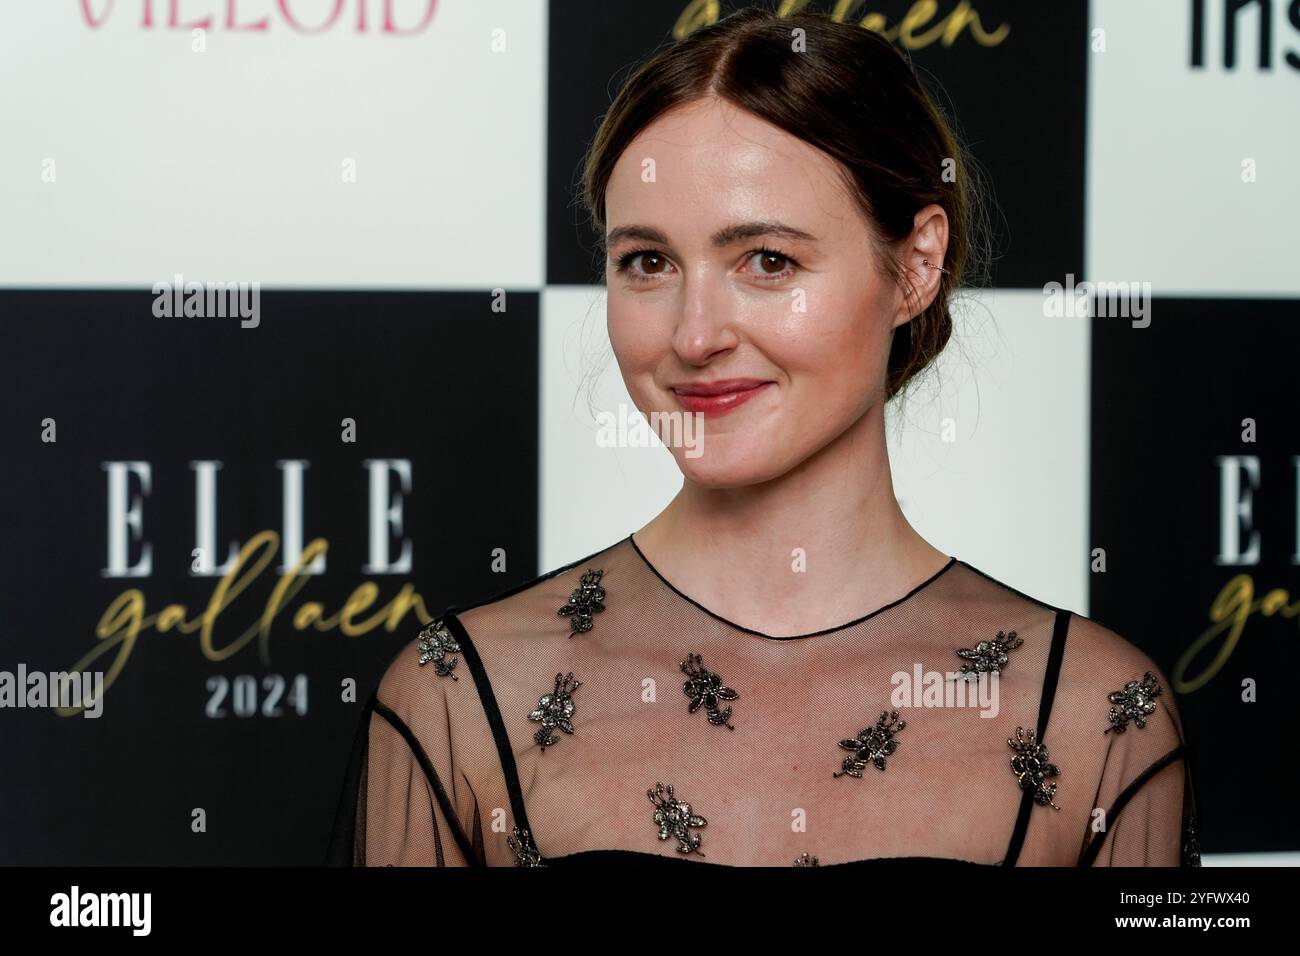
(723,237)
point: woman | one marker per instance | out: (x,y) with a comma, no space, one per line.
(778,669)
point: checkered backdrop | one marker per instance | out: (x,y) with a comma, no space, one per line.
(230,520)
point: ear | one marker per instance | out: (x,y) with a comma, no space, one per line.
(928,242)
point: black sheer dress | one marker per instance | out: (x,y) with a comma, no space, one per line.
(597,714)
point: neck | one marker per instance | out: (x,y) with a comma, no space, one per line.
(814,548)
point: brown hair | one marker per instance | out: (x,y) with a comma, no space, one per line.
(853,95)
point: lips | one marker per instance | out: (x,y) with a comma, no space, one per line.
(718,397)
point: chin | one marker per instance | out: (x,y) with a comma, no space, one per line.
(717,469)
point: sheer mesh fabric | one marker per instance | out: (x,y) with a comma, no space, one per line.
(446,768)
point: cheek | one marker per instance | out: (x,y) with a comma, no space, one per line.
(635,339)
(841,336)
(622,337)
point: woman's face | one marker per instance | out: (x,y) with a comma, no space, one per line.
(694,300)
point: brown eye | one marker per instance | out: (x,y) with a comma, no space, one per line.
(770,264)
(647,272)
(646,258)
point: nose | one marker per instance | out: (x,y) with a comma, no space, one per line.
(706,326)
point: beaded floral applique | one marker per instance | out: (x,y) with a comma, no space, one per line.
(1032,768)
(1191,845)
(526,854)
(674,818)
(555,710)
(436,643)
(705,689)
(872,745)
(988,657)
(1134,702)
(587,598)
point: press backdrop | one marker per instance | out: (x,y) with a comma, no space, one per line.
(230,518)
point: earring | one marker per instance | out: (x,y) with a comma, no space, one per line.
(927,262)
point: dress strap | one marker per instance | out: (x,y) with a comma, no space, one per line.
(492,711)
(1060,628)
(430,772)
(1089,855)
